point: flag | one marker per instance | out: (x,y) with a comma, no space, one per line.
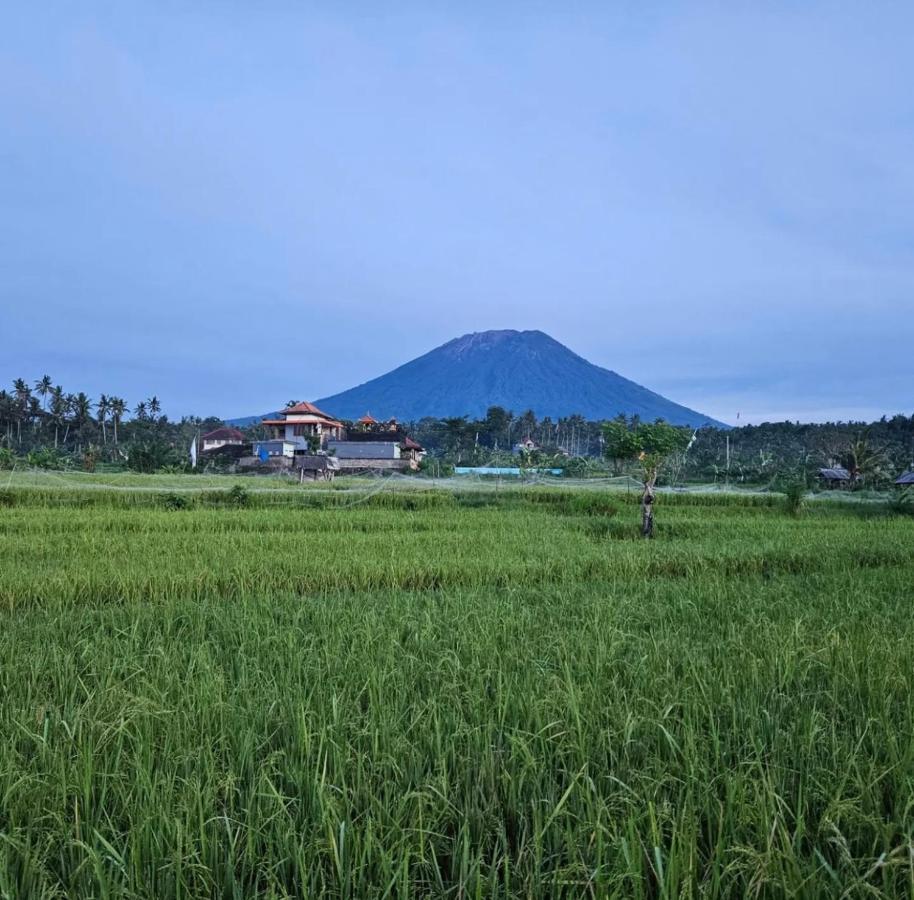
(193,453)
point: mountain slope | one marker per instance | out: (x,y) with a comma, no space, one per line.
(518,370)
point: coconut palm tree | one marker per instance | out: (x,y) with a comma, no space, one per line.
(140,411)
(7,413)
(82,413)
(155,407)
(69,404)
(118,407)
(58,408)
(865,460)
(102,408)
(23,394)
(43,387)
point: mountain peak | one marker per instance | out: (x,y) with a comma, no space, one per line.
(518,370)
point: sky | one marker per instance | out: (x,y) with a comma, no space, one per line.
(231,205)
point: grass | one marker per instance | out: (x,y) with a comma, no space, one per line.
(483,694)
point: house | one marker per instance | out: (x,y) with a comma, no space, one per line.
(378,452)
(316,467)
(299,428)
(527,445)
(221,437)
(837,476)
(906,479)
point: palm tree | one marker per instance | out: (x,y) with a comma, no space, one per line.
(69,406)
(118,407)
(82,412)
(865,461)
(58,409)
(155,407)
(140,411)
(23,395)
(7,413)
(43,387)
(101,412)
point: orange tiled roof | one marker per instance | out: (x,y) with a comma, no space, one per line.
(305,407)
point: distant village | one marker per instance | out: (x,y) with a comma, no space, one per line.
(307,441)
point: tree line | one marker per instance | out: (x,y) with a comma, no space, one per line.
(42,421)
(48,426)
(874,452)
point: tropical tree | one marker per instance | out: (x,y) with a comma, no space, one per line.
(82,413)
(154,406)
(58,409)
(102,408)
(7,413)
(455,429)
(652,446)
(23,395)
(69,405)
(118,408)
(865,461)
(43,387)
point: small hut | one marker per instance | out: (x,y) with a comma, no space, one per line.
(316,467)
(835,477)
(905,480)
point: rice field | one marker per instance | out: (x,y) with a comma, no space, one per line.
(356,693)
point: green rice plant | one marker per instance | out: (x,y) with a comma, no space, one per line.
(364,692)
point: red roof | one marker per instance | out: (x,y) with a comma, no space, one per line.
(305,407)
(410,444)
(368,420)
(224,434)
(314,420)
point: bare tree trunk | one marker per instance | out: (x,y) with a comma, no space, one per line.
(647,508)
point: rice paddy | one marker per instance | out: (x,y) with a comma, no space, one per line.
(434,693)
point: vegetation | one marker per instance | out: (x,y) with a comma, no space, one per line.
(368,694)
(652,446)
(42,426)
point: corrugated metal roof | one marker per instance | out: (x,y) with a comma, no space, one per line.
(365,450)
(835,474)
(906,478)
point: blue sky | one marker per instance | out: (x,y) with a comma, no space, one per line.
(233,204)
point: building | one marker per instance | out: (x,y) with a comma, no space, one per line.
(837,476)
(906,479)
(527,445)
(315,467)
(221,437)
(377,453)
(300,428)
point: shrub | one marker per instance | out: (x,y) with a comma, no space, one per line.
(794,497)
(238,496)
(45,458)
(174,501)
(903,504)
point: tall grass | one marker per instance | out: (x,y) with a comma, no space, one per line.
(442,696)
